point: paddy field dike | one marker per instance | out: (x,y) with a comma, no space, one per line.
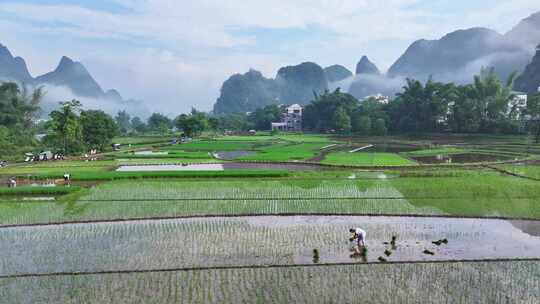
(266,218)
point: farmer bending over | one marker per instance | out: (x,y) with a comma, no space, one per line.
(359,235)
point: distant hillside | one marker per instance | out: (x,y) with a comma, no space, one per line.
(460,54)
(73,75)
(336,73)
(293,84)
(526,33)
(456,57)
(13,68)
(299,83)
(529,81)
(246,92)
(70,80)
(366,67)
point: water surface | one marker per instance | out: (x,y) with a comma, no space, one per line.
(265,240)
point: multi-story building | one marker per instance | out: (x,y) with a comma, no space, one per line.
(291,119)
(518,104)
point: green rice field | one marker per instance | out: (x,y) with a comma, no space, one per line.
(366,159)
(465,282)
(270,225)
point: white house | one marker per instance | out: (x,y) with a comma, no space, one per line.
(291,119)
(379,97)
(518,104)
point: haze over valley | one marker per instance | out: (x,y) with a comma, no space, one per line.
(171,70)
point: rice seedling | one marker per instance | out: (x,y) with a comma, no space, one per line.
(366,159)
(436,151)
(115,175)
(485,194)
(483,282)
(39,190)
(286,152)
(527,170)
(247,241)
(212,145)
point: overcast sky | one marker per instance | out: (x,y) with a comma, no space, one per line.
(175,54)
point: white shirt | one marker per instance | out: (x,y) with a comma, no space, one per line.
(360,232)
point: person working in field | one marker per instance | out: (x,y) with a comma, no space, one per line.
(359,235)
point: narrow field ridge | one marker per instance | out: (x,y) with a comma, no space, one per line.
(84,273)
(147,219)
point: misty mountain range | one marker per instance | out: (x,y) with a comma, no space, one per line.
(456,57)
(70,80)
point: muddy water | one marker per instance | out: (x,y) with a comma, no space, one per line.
(149,152)
(289,166)
(192,167)
(248,241)
(459,158)
(232,155)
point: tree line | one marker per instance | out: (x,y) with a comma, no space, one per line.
(71,129)
(485,106)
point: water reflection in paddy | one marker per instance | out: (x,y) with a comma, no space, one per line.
(247,241)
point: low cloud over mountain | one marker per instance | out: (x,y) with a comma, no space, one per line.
(70,80)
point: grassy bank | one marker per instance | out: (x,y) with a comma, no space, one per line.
(114,175)
(39,190)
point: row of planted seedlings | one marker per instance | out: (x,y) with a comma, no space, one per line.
(243,190)
(484,282)
(245,241)
(24,213)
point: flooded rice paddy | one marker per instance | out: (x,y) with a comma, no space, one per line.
(149,152)
(187,167)
(232,155)
(463,158)
(257,241)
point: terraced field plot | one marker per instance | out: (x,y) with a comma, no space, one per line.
(278,237)
(252,241)
(464,282)
(366,159)
(459,193)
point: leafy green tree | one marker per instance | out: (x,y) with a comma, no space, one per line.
(65,127)
(487,105)
(98,129)
(379,127)
(341,120)
(533,111)
(361,124)
(193,124)
(422,108)
(262,118)
(319,115)
(465,113)
(159,123)
(233,122)
(6,147)
(493,99)
(123,120)
(19,108)
(138,125)
(213,123)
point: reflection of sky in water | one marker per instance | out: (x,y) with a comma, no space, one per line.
(266,240)
(193,167)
